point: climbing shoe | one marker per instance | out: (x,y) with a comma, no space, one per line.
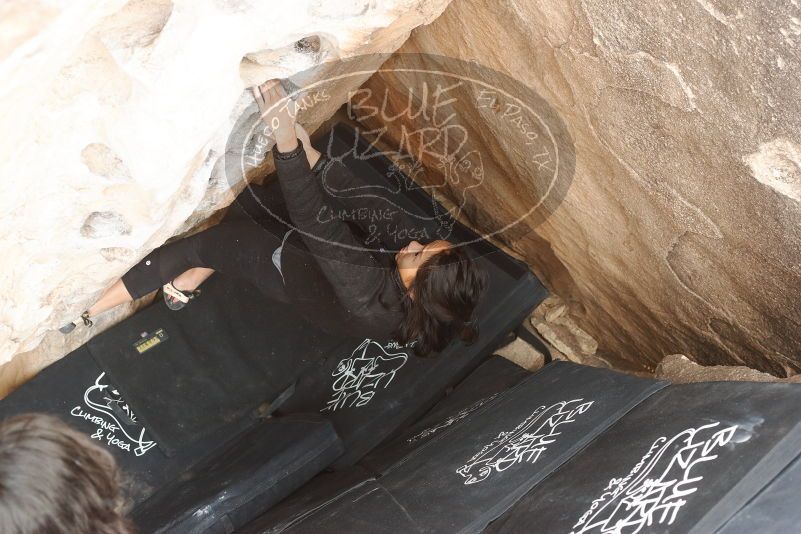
(69,327)
(175,299)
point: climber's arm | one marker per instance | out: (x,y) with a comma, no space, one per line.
(352,270)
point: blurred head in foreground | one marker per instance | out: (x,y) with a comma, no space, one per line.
(54,479)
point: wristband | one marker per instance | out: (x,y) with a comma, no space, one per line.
(295,152)
(319,165)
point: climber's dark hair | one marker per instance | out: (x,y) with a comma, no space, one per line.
(54,479)
(446,290)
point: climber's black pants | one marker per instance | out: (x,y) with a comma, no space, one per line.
(239,246)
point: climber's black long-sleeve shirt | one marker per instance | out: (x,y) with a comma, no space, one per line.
(364,291)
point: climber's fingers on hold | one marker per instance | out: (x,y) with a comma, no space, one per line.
(265,93)
(269,89)
(272,94)
(257,95)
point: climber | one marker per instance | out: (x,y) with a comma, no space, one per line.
(54,479)
(426,297)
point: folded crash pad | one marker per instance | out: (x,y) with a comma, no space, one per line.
(227,490)
(233,475)
(365,508)
(685,461)
(191,372)
(490,379)
(484,384)
(475,469)
(317,493)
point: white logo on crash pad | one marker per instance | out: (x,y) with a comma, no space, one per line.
(525,443)
(357,377)
(99,399)
(455,418)
(659,485)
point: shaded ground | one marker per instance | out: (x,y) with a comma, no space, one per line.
(566,340)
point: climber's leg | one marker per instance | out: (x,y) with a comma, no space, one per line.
(157,268)
(118,294)
(244,249)
(241,249)
(162,265)
(238,248)
(113,297)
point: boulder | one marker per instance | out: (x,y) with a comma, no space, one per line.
(681,228)
(115,117)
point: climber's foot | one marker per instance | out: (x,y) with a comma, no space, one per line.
(69,327)
(175,298)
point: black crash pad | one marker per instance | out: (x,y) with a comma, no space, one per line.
(495,375)
(266,460)
(485,383)
(684,461)
(216,361)
(242,481)
(315,494)
(775,509)
(77,391)
(475,469)
(365,508)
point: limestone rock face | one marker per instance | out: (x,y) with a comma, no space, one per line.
(681,231)
(114,118)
